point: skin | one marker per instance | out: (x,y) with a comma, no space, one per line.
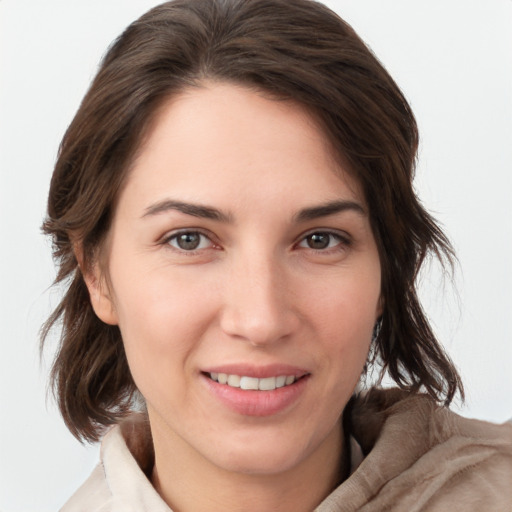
(256,291)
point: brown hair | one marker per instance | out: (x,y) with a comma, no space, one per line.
(296,50)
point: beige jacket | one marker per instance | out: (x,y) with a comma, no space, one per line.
(407,456)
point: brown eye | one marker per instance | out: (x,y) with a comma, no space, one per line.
(320,240)
(189,241)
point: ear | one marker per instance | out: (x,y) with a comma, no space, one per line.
(99,292)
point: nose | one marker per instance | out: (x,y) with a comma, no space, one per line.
(258,306)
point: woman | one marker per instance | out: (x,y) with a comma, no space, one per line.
(233,206)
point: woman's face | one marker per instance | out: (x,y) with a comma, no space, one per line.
(241,251)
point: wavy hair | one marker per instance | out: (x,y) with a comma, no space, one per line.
(297,50)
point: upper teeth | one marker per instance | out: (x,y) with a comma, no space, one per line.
(244,382)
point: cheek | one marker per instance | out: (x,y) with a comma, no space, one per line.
(347,306)
(161,317)
(344,315)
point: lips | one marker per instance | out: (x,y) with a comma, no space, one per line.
(256,391)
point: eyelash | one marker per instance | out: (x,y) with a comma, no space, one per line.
(174,236)
(343,241)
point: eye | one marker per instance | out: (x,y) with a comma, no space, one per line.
(189,241)
(321,240)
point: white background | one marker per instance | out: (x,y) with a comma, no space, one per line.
(452,58)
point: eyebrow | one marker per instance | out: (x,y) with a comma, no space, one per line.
(208,212)
(196,210)
(330,208)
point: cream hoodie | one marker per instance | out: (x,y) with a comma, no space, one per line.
(408,455)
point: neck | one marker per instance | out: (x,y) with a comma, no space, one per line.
(188,482)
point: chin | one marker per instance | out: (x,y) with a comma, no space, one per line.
(269,453)
(260,462)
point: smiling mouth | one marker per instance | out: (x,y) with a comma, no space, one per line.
(253,383)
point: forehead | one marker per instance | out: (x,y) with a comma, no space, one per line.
(222,138)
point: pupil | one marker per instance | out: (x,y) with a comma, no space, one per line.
(318,240)
(188,241)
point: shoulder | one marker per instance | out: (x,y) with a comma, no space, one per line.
(119,482)
(420,456)
(93,496)
(383,411)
